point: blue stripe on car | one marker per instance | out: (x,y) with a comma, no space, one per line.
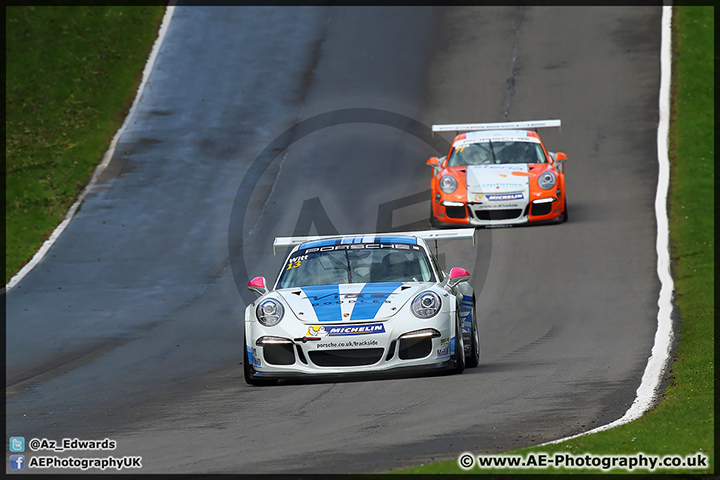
(371,298)
(325,300)
(408,240)
(319,243)
(359,239)
(466,313)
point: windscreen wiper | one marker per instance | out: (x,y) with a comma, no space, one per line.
(349,270)
(492,151)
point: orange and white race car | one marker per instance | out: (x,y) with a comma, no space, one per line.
(498,174)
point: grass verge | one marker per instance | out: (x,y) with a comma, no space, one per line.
(71,76)
(683,422)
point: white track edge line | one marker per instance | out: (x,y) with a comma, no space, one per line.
(40,254)
(658,360)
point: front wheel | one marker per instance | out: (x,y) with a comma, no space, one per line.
(248,371)
(459,348)
(433,221)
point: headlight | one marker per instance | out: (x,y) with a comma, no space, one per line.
(269,312)
(546,180)
(448,184)
(426,305)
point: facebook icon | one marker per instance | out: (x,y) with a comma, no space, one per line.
(17,462)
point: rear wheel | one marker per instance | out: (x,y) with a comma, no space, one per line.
(248,371)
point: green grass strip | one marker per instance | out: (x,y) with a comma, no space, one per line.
(683,422)
(71,76)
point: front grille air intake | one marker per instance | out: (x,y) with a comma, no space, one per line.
(346,358)
(498,214)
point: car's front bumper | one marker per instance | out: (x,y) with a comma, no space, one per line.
(277,353)
(476,214)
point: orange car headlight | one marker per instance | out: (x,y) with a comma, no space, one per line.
(546,180)
(448,184)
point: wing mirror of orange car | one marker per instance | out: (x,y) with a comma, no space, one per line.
(435,164)
(558,160)
(258,286)
(458,275)
(558,157)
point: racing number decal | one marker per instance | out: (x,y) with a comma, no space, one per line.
(295,262)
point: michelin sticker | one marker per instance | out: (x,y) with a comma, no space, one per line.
(504,197)
(340,330)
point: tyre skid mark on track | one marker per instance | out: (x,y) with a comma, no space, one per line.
(304,88)
(511,80)
(302,411)
(660,359)
(30,379)
(552,333)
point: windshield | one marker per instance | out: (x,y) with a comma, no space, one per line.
(489,152)
(356,263)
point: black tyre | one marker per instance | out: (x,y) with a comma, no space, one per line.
(565,212)
(459,348)
(248,372)
(433,221)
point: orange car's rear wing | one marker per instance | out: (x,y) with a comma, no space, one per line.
(469,127)
(449,234)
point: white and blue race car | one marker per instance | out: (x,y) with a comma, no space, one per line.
(357,304)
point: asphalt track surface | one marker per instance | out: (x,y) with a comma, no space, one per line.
(260,122)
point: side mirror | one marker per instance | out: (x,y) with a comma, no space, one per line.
(458,275)
(257,285)
(557,157)
(435,164)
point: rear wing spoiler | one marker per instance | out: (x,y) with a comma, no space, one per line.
(469,127)
(449,234)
